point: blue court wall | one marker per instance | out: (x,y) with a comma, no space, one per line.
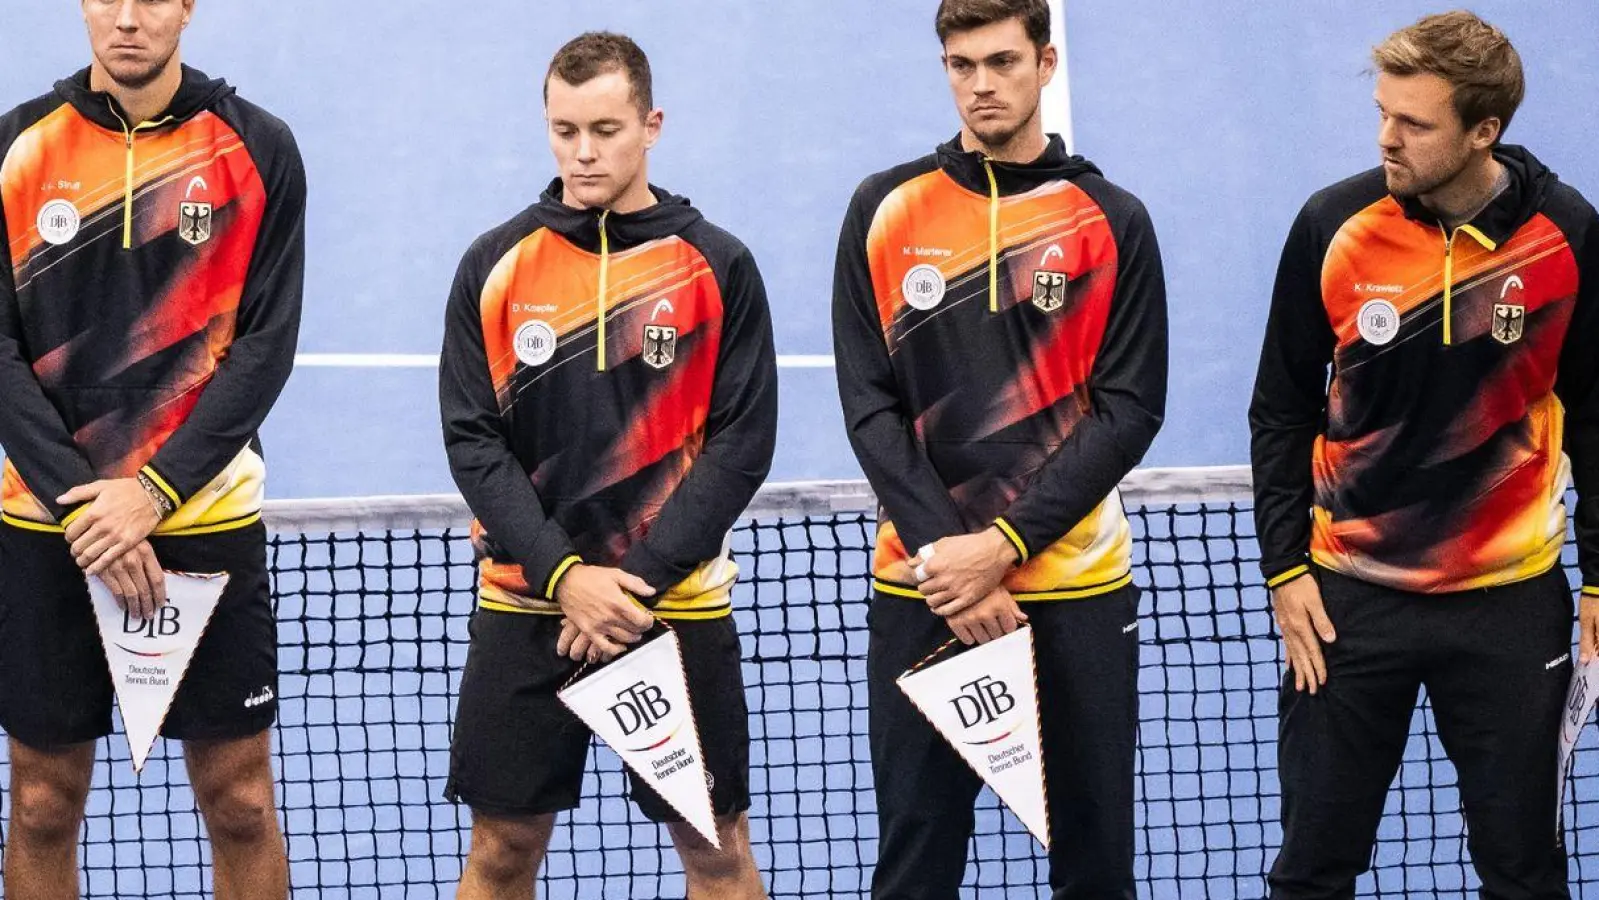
(421,127)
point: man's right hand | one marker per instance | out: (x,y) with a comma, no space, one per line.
(136,581)
(994,616)
(600,603)
(1303,621)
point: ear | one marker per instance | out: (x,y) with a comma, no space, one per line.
(1486,133)
(652,127)
(1048,62)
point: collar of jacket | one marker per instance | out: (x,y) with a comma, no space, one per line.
(1530,183)
(668,216)
(966,168)
(196,93)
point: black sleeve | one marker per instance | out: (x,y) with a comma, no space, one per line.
(1578,389)
(31,429)
(247,381)
(740,438)
(912,495)
(1289,405)
(1127,390)
(496,487)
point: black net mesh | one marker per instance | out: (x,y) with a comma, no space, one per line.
(373,640)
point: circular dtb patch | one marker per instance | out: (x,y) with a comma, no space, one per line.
(535,343)
(923,287)
(58,222)
(1378,321)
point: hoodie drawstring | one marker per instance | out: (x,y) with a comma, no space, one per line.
(993,237)
(605,285)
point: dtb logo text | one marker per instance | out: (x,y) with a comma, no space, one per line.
(982,702)
(163,624)
(639,708)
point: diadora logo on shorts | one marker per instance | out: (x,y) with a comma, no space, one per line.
(260,698)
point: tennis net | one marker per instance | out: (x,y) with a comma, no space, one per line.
(373,601)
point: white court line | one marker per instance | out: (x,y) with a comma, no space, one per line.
(431,361)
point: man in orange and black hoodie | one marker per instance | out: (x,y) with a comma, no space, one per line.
(149,309)
(609,394)
(1000,330)
(1411,512)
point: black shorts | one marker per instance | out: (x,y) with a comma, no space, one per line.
(55,686)
(519,751)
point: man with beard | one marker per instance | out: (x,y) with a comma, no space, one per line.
(1000,328)
(1411,511)
(149,309)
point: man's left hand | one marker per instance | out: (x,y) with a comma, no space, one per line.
(962,570)
(120,515)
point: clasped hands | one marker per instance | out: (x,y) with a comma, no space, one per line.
(961,578)
(109,541)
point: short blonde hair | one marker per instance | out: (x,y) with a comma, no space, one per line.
(1473,56)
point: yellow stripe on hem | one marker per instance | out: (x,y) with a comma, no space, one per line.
(29,525)
(1590,591)
(553,610)
(158,481)
(1015,539)
(1288,576)
(1083,593)
(191,531)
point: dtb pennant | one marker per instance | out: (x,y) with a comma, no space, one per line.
(638,704)
(984,701)
(148,657)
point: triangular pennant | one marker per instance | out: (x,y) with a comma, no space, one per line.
(148,657)
(638,704)
(1580,698)
(984,701)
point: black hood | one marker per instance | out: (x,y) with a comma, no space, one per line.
(196,93)
(1530,184)
(670,215)
(1054,164)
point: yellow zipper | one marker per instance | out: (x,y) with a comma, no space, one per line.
(1449,287)
(605,284)
(127,181)
(993,237)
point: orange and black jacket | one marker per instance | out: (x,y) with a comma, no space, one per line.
(609,395)
(149,298)
(1462,392)
(1000,332)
